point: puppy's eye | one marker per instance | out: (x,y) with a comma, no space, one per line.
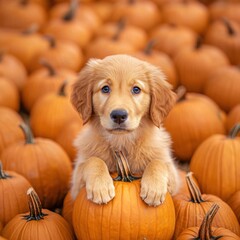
(106,89)
(136,90)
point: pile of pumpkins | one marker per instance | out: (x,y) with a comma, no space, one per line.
(43,46)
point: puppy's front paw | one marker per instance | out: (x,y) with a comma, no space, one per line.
(100,189)
(153,193)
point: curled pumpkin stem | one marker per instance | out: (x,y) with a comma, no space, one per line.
(120,27)
(229,27)
(3,175)
(234,131)
(123,169)
(70,14)
(29,139)
(46,64)
(35,206)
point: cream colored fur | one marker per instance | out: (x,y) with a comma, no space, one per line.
(143,139)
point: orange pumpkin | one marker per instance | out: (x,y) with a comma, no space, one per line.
(234,203)
(225,35)
(220,154)
(198,117)
(190,210)
(44,163)
(194,65)
(233,118)
(132,12)
(38,223)
(52,113)
(206,231)
(25,14)
(9,127)
(125,217)
(191,14)
(8,62)
(13,201)
(170,38)
(67,208)
(9,95)
(67,136)
(223,87)
(161,60)
(43,81)
(60,54)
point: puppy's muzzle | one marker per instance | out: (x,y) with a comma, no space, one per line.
(119,116)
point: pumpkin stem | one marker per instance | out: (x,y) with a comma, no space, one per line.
(205,232)
(194,190)
(131,1)
(120,26)
(23,2)
(47,65)
(3,175)
(181,92)
(123,169)
(229,27)
(199,42)
(32,29)
(29,139)
(234,131)
(70,14)
(51,40)
(62,88)
(35,206)
(149,47)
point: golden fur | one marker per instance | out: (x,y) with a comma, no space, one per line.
(141,137)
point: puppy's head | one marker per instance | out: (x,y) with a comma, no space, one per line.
(120,90)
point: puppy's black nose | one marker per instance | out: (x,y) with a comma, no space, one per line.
(119,116)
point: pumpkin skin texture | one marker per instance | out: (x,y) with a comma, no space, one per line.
(9,95)
(44,163)
(37,224)
(216,161)
(67,208)
(9,127)
(223,87)
(191,209)
(198,117)
(233,118)
(234,203)
(13,200)
(125,217)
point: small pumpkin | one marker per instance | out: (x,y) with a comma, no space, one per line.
(44,163)
(72,29)
(126,216)
(8,62)
(9,95)
(191,14)
(132,12)
(223,87)
(198,117)
(225,35)
(13,201)
(206,231)
(38,223)
(194,65)
(161,60)
(171,38)
(43,81)
(52,113)
(61,54)
(233,118)
(25,14)
(234,203)
(190,210)
(9,127)
(67,136)
(220,153)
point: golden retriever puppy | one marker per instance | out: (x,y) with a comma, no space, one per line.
(123,101)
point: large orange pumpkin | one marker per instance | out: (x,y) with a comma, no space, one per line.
(125,217)
(38,223)
(44,163)
(13,201)
(234,203)
(216,161)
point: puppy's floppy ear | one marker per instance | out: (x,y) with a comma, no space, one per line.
(81,96)
(162,97)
